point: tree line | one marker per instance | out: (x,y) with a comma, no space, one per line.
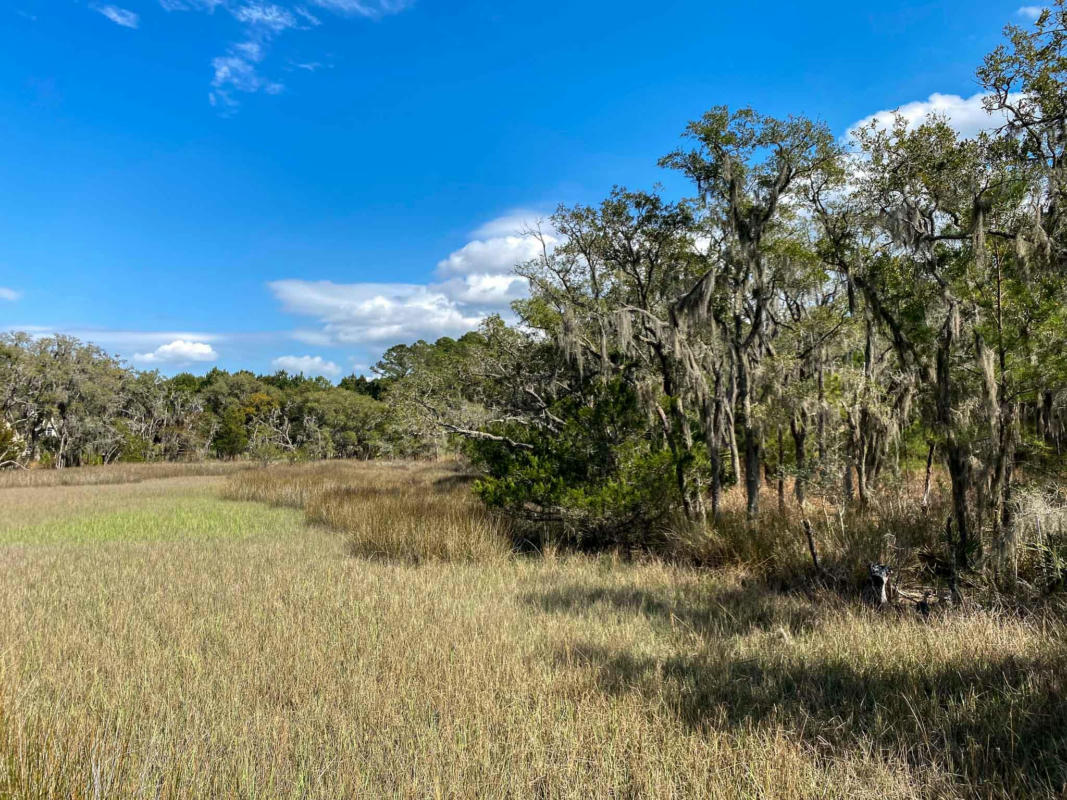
(67,403)
(817,316)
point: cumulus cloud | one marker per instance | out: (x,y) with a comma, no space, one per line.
(9,294)
(472,282)
(491,256)
(307,365)
(359,313)
(966,114)
(120,16)
(481,274)
(487,293)
(180,351)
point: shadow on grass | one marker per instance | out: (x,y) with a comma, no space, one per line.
(450,483)
(998,728)
(714,612)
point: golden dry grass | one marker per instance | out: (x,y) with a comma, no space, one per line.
(116,473)
(401,510)
(260,659)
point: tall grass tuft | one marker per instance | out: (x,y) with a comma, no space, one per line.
(411,524)
(403,511)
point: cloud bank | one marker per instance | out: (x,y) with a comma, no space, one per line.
(472,282)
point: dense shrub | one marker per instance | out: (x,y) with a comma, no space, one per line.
(599,478)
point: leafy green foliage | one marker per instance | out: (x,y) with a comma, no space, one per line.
(598,475)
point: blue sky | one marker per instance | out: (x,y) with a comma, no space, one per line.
(239,183)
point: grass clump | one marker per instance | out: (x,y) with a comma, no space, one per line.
(403,511)
(411,523)
(292,485)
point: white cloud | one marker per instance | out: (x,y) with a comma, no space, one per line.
(120,16)
(252,51)
(486,293)
(374,9)
(123,341)
(490,256)
(1030,12)
(190,5)
(358,313)
(474,281)
(307,365)
(180,351)
(481,274)
(514,223)
(237,70)
(266,15)
(9,294)
(238,73)
(966,114)
(308,17)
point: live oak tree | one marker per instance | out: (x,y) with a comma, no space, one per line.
(610,291)
(748,169)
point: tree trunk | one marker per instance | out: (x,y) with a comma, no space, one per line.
(682,421)
(820,423)
(929,469)
(716,479)
(861,466)
(798,426)
(712,437)
(679,467)
(730,429)
(781,473)
(959,473)
(752,472)
(751,441)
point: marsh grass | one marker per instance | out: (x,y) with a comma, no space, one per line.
(402,510)
(411,524)
(116,473)
(277,665)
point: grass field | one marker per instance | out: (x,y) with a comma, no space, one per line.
(158,640)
